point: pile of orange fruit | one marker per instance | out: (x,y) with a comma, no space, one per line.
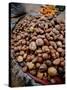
(48,10)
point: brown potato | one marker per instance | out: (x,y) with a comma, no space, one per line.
(52,71)
(19,58)
(39,42)
(39,75)
(56,61)
(43,67)
(39,59)
(45,56)
(30,65)
(32,46)
(45,49)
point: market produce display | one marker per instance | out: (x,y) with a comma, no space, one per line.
(38,46)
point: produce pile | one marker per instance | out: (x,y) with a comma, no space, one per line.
(49,10)
(38,45)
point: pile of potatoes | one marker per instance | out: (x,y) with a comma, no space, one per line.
(38,45)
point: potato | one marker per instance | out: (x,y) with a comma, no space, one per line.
(39,59)
(56,61)
(52,71)
(39,42)
(45,56)
(19,58)
(45,49)
(43,67)
(30,65)
(59,43)
(39,75)
(48,62)
(32,46)
(60,50)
